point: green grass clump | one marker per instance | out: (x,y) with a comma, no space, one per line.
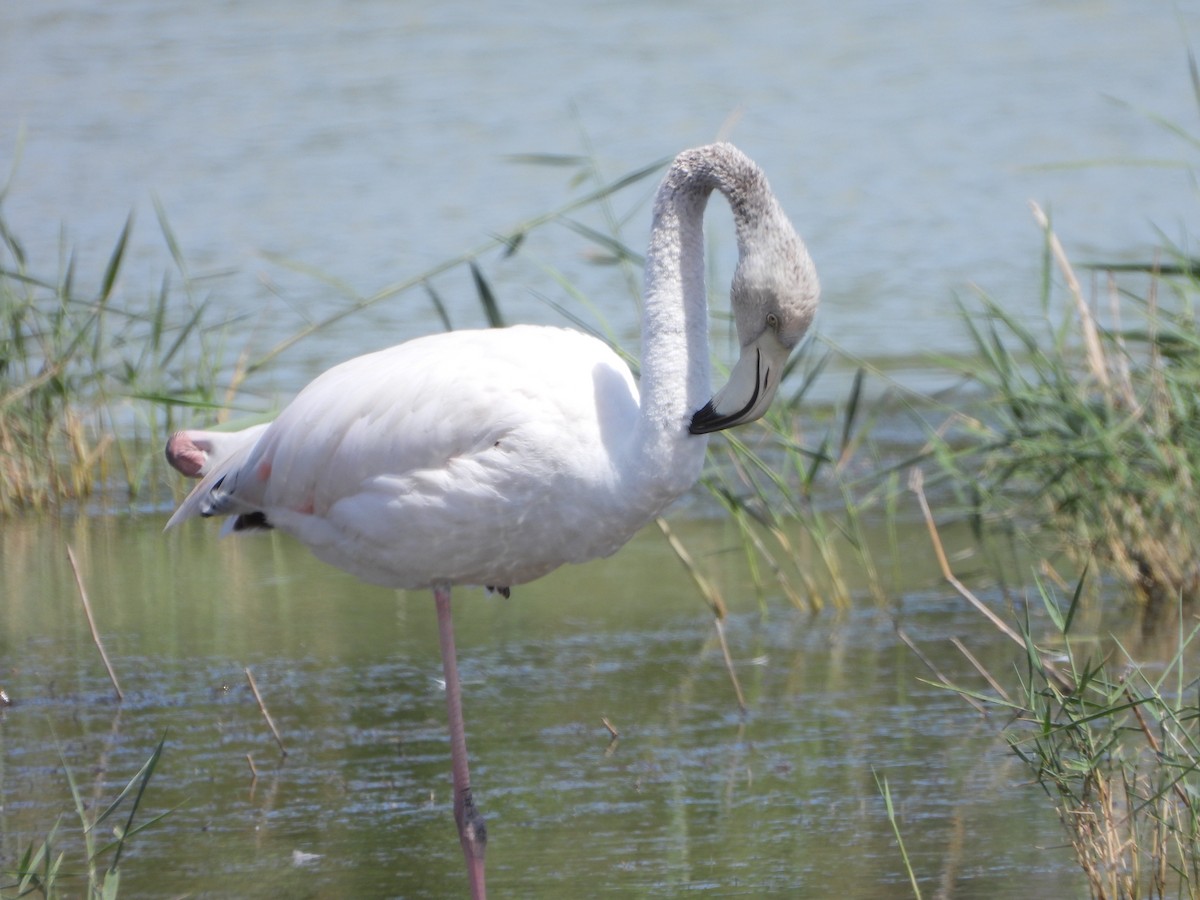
(77,364)
(1114,746)
(40,870)
(1088,427)
(1109,733)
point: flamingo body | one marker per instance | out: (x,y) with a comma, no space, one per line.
(470,457)
(492,457)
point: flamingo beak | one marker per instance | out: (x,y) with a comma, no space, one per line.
(750,390)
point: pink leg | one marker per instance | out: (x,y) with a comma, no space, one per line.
(472,832)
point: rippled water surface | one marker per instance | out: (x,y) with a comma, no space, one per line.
(692,798)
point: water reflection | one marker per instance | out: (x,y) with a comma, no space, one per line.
(693,797)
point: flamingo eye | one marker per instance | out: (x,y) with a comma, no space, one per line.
(773,321)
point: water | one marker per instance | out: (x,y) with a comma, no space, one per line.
(692,799)
(369,141)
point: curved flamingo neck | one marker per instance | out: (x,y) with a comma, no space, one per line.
(675,375)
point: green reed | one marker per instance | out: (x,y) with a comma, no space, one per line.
(77,364)
(1105,726)
(44,870)
(1112,743)
(1082,426)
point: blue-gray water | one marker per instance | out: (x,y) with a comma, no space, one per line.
(370,140)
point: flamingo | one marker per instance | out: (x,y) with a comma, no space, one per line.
(490,457)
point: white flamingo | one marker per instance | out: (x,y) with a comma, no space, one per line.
(491,457)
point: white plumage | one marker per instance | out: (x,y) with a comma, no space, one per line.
(492,457)
(472,457)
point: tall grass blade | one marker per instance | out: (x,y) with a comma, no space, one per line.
(158,322)
(851,414)
(1049,603)
(81,812)
(439,307)
(67,290)
(619,250)
(1194,73)
(14,247)
(112,884)
(486,297)
(1075,598)
(513,242)
(169,237)
(140,780)
(17,153)
(886,793)
(811,376)
(453,262)
(137,783)
(114,261)
(191,326)
(560,160)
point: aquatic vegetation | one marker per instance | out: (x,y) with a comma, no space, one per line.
(1108,736)
(44,870)
(76,367)
(1082,429)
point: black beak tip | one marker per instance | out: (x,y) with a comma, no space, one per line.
(705,420)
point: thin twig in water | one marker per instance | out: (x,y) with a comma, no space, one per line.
(614,737)
(253,768)
(262,707)
(1087,324)
(737,687)
(916,483)
(711,597)
(903,635)
(710,594)
(87,609)
(979,667)
(1153,742)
